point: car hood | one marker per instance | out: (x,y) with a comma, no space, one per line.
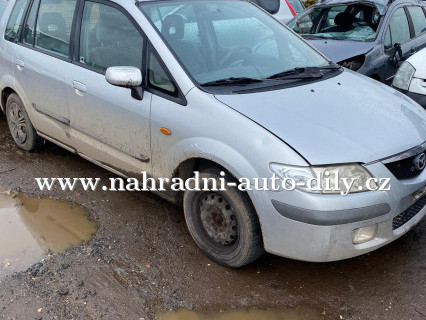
(340,50)
(348,118)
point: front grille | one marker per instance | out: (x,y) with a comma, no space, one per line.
(408,214)
(404,169)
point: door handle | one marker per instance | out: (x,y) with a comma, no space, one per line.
(20,64)
(79,87)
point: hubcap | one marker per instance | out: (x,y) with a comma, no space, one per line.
(218,219)
(17,123)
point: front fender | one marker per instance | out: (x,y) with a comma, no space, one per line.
(212,150)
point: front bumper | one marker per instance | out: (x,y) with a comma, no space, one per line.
(323,230)
(419,98)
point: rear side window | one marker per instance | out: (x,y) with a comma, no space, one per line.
(15,20)
(109,39)
(419,19)
(399,27)
(54,23)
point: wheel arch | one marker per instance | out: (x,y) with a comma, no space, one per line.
(186,168)
(5,93)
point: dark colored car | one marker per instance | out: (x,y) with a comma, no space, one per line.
(371,37)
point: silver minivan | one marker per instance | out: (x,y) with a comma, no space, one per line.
(219,87)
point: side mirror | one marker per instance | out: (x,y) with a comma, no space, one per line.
(126,77)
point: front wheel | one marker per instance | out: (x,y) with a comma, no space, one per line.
(223,224)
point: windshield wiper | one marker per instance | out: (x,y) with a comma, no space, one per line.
(304,72)
(298,73)
(331,66)
(231,80)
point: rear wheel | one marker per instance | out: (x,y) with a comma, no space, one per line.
(20,126)
(223,224)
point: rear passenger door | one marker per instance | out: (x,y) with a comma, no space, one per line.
(418,20)
(398,34)
(110,126)
(11,35)
(41,60)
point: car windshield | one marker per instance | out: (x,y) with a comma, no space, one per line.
(355,21)
(223,40)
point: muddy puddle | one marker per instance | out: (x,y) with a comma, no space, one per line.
(184,314)
(31,227)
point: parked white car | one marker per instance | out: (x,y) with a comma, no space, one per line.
(411,78)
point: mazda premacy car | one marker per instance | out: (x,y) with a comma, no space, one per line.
(221,89)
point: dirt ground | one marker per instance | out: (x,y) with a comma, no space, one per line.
(143,261)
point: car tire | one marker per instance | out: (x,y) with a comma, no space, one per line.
(20,126)
(223,224)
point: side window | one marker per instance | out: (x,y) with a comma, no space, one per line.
(54,22)
(419,19)
(108,38)
(29,34)
(157,76)
(399,27)
(15,20)
(388,39)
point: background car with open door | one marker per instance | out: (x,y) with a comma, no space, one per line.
(371,37)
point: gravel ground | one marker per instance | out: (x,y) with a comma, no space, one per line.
(143,261)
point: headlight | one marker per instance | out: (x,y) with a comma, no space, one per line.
(418,86)
(337,179)
(300,175)
(344,178)
(403,76)
(353,63)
